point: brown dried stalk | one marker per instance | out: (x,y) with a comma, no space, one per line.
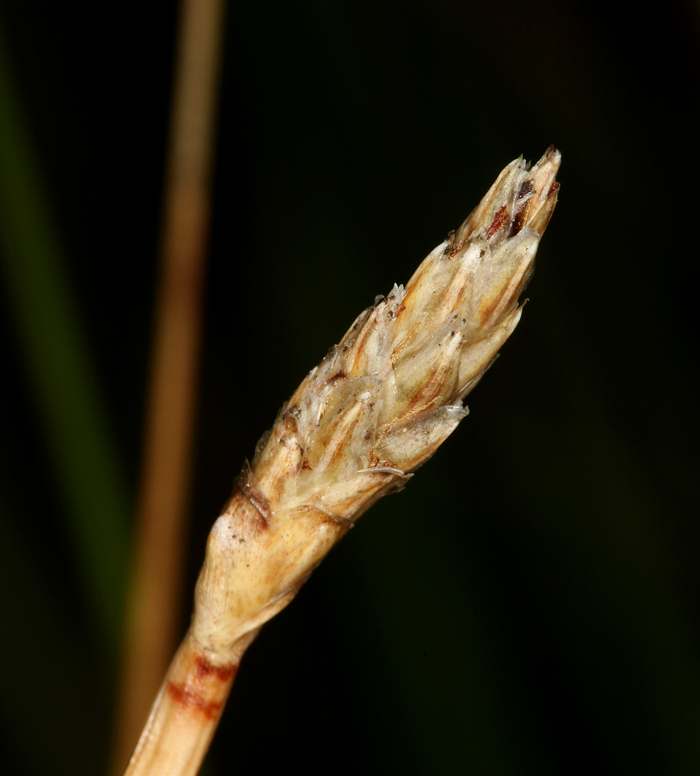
(378,405)
(155,576)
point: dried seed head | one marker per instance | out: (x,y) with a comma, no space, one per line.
(378,405)
(387,396)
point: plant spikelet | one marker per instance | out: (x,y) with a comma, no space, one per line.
(377,407)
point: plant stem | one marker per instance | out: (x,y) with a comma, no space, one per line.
(155,584)
(187,710)
(377,407)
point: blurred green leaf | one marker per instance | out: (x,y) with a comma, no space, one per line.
(62,377)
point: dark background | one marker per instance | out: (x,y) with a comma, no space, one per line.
(529,603)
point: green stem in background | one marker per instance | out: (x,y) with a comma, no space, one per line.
(61,374)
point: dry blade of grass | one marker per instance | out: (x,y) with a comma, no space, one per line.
(378,405)
(155,579)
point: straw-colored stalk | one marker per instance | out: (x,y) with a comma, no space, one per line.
(377,407)
(156,572)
